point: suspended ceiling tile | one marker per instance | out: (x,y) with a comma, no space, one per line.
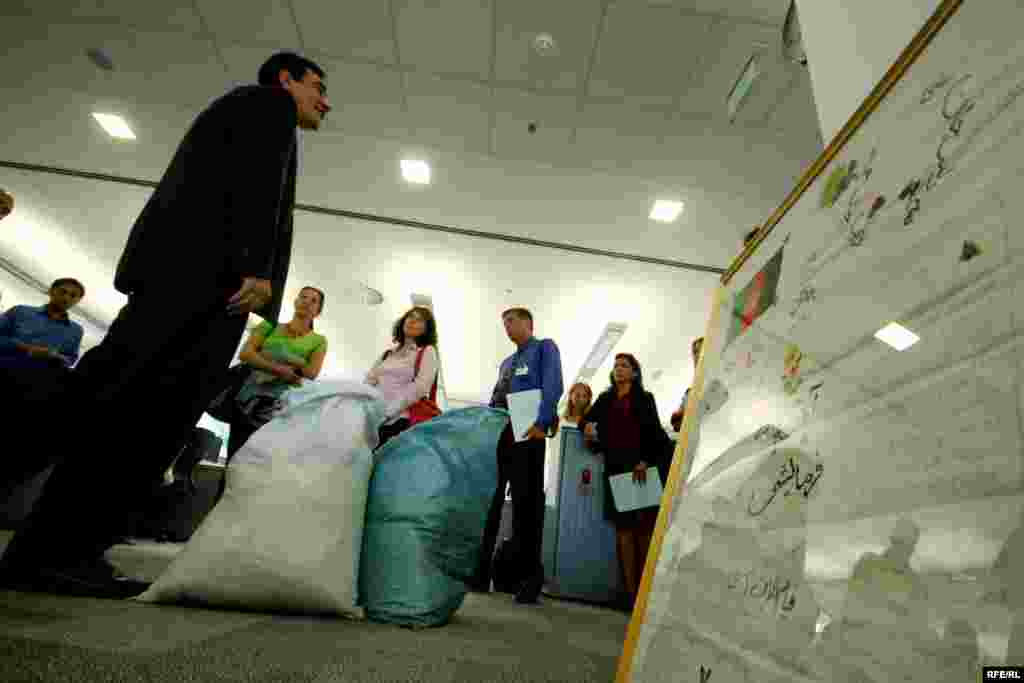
(451,37)
(730,46)
(347,28)
(448,113)
(249,22)
(573,25)
(772,12)
(172,14)
(554,116)
(647,53)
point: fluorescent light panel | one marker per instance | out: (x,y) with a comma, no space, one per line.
(115,126)
(606,342)
(741,88)
(666,211)
(897,336)
(416,171)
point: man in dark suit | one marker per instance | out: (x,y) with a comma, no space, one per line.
(211,245)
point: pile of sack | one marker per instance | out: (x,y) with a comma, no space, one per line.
(312,521)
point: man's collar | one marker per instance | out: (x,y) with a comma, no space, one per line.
(526,343)
(45,310)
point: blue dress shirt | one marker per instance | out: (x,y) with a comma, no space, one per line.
(33,325)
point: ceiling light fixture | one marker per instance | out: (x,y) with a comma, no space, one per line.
(897,336)
(741,88)
(115,126)
(606,342)
(666,211)
(544,44)
(416,171)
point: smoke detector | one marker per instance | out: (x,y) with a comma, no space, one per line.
(544,45)
(100,58)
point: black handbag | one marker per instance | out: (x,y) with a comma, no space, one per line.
(222,407)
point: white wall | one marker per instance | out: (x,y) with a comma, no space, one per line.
(850,46)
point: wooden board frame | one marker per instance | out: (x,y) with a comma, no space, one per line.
(906,59)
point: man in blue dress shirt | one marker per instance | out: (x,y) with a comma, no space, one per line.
(38,345)
(536,364)
(43,336)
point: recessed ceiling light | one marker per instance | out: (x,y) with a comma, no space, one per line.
(666,211)
(897,336)
(416,171)
(114,125)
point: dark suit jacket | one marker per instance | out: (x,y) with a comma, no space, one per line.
(657,446)
(223,209)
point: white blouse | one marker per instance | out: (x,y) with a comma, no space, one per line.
(396,381)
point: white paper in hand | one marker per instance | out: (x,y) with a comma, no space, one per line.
(631,495)
(523,407)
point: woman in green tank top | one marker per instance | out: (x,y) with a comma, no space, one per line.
(281,356)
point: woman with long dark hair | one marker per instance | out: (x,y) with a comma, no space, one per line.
(407,372)
(623,425)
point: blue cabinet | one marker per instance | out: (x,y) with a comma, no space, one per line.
(579,545)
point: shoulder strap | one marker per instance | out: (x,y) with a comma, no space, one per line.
(416,371)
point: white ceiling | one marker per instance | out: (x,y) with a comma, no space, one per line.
(630,108)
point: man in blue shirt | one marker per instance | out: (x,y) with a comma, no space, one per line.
(44,336)
(536,364)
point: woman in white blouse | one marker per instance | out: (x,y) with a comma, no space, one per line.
(415,336)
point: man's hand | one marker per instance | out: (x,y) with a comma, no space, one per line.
(254,295)
(535,434)
(640,473)
(590,431)
(36,351)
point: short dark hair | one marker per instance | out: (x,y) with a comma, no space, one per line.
(429,336)
(519,312)
(60,282)
(289,61)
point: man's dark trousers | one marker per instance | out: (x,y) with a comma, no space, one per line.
(135,399)
(521,465)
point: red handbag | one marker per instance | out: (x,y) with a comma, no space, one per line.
(425,408)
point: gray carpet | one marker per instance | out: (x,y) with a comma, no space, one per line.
(56,639)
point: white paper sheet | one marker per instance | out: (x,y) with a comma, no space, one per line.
(630,495)
(523,407)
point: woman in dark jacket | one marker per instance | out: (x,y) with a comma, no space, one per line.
(623,425)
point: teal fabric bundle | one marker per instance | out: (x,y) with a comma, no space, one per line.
(429,496)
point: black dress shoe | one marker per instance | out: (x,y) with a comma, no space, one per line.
(96,579)
(529,591)
(478,585)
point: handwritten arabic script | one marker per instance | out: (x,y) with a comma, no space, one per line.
(789,479)
(776,594)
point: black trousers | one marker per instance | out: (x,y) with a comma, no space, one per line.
(133,401)
(31,402)
(521,465)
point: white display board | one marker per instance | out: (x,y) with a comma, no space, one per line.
(851,512)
